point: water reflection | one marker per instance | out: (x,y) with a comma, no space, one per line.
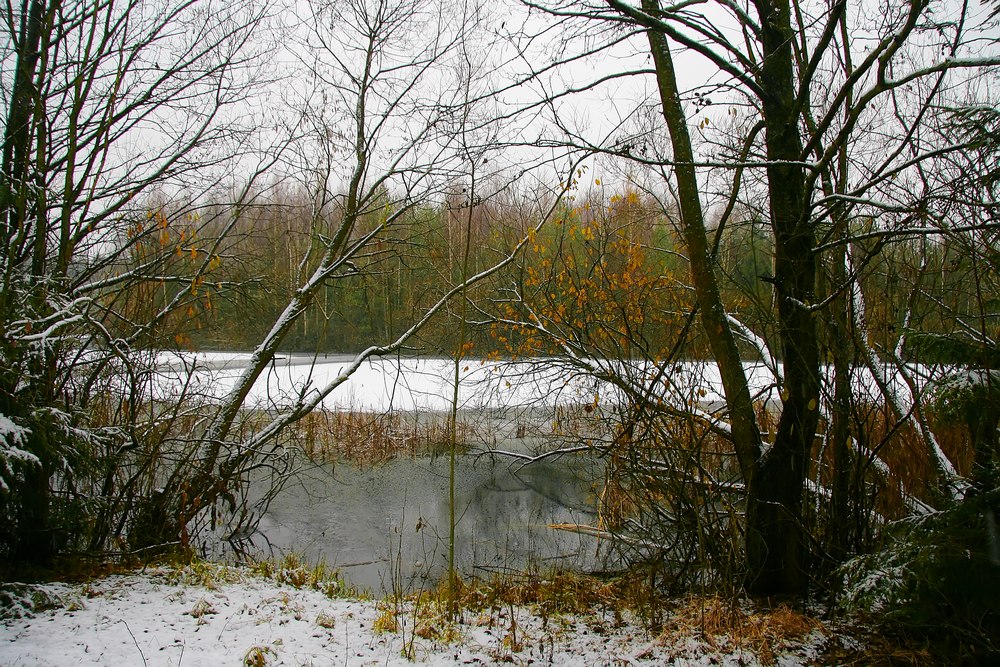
(387,527)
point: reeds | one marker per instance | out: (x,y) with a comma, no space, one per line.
(372,438)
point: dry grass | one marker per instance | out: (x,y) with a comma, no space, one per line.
(294,571)
(911,469)
(720,621)
(881,651)
(615,502)
(371,438)
(554,593)
(690,447)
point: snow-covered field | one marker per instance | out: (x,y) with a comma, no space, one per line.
(226,616)
(378,385)
(425,383)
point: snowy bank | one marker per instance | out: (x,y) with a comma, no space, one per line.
(227,616)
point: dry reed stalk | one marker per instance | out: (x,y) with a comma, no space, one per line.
(911,470)
(718,621)
(878,649)
(372,438)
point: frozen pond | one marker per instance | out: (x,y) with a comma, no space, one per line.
(378,385)
(386,527)
(425,384)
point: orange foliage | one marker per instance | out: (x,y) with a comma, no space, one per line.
(596,284)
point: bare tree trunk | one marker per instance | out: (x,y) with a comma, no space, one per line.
(17,136)
(23,142)
(775,535)
(746,436)
(775,538)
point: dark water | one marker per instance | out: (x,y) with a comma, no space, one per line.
(386,527)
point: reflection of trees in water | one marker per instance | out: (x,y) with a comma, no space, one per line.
(395,515)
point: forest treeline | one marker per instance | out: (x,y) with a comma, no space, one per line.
(610,269)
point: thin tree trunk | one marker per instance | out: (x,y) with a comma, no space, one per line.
(746,435)
(17,136)
(775,537)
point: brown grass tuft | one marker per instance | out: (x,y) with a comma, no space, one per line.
(557,593)
(719,621)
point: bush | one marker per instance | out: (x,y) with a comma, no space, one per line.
(937,581)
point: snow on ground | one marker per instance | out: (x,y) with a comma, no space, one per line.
(168,617)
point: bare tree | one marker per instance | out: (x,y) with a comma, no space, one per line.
(830,131)
(110,105)
(383,126)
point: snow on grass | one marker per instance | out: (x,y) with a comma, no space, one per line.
(232,617)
